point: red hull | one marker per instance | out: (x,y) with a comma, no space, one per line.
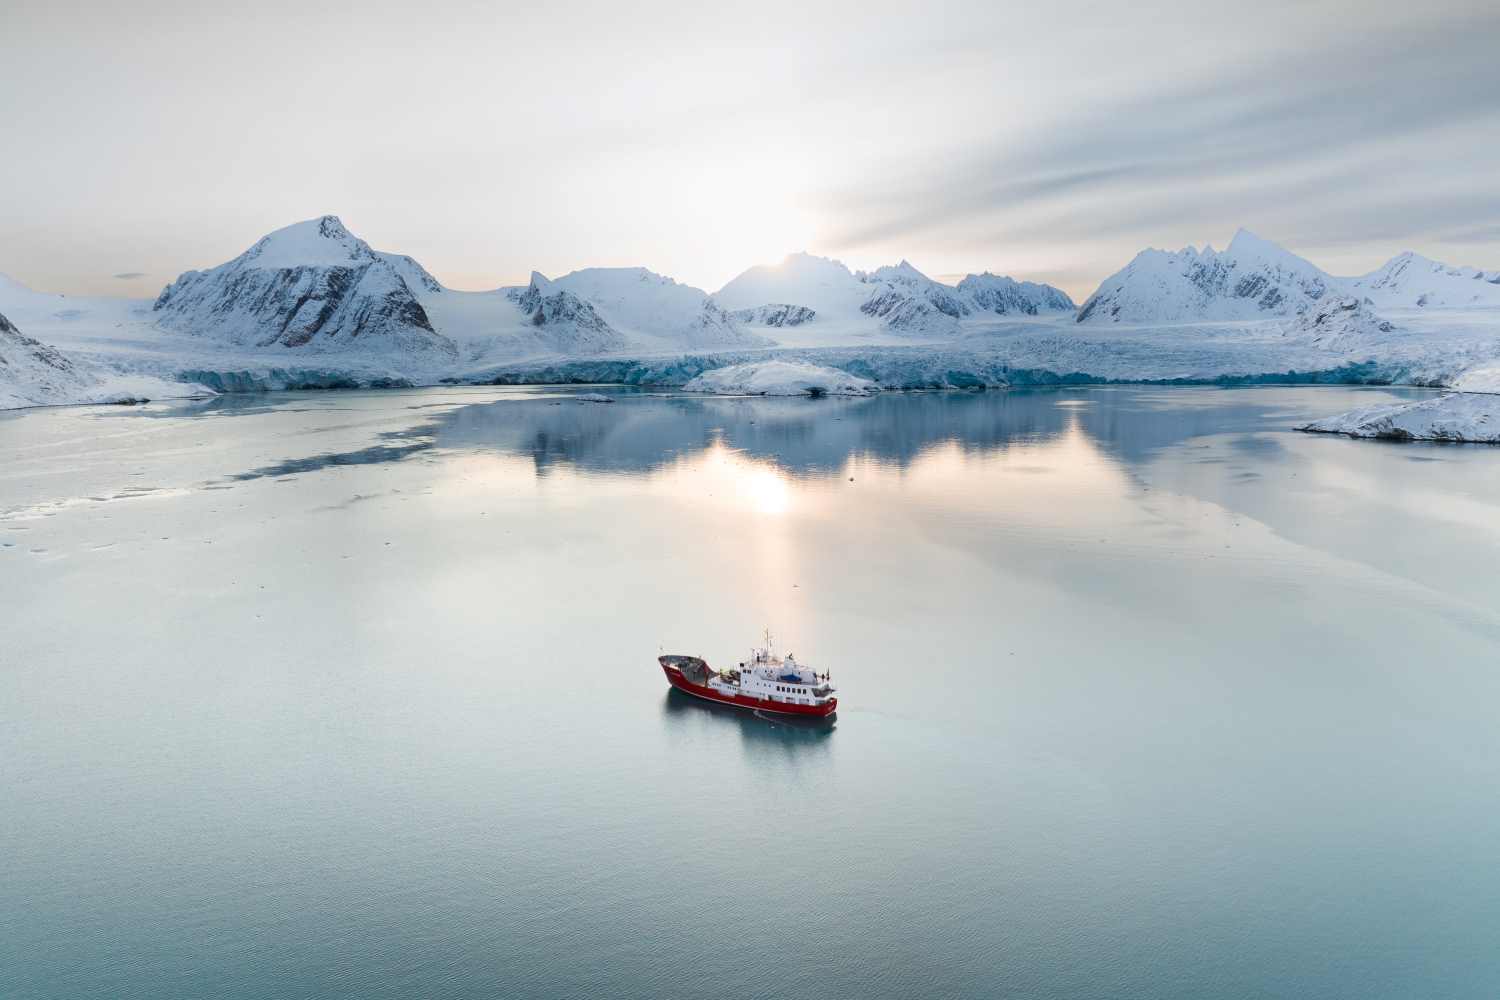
(681,683)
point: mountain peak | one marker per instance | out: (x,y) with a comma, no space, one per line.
(324,241)
(1249,246)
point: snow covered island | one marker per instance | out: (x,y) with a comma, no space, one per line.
(1458,416)
(781,378)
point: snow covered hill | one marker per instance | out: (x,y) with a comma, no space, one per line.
(1340,322)
(1008,297)
(823,285)
(32,373)
(1410,280)
(1252,279)
(310,285)
(36,374)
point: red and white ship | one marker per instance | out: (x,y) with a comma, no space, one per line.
(765,682)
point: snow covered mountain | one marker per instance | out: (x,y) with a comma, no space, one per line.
(1252,279)
(825,286)
(569,324)
(654,310)
(310,285)
(1410,280)
(912,303)
(1008,297)
(898,299)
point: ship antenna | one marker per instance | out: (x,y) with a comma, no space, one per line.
(768,638)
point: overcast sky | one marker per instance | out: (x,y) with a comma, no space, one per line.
(1047,141)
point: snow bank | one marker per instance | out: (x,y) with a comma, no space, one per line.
(1459,416)
(781,378)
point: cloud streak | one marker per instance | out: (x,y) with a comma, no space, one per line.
(1377,136)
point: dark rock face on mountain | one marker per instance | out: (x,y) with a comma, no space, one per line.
(566,323)
(775,314)
(1009,297)
(310,285)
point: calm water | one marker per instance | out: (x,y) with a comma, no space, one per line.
(356,695)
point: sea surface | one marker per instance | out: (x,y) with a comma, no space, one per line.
(1143,695)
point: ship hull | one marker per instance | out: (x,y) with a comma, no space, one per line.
(681,683)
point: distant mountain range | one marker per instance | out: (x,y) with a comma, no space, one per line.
(316,285)
(1256,279)
(316,292)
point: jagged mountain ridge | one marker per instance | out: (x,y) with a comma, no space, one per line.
(900,297)
(1252,279)
(910,302)
(1257,279)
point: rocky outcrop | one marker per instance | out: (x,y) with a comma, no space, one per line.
(779,314)
(1340,323)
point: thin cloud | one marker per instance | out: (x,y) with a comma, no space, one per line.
(1312,131)
(130,275)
